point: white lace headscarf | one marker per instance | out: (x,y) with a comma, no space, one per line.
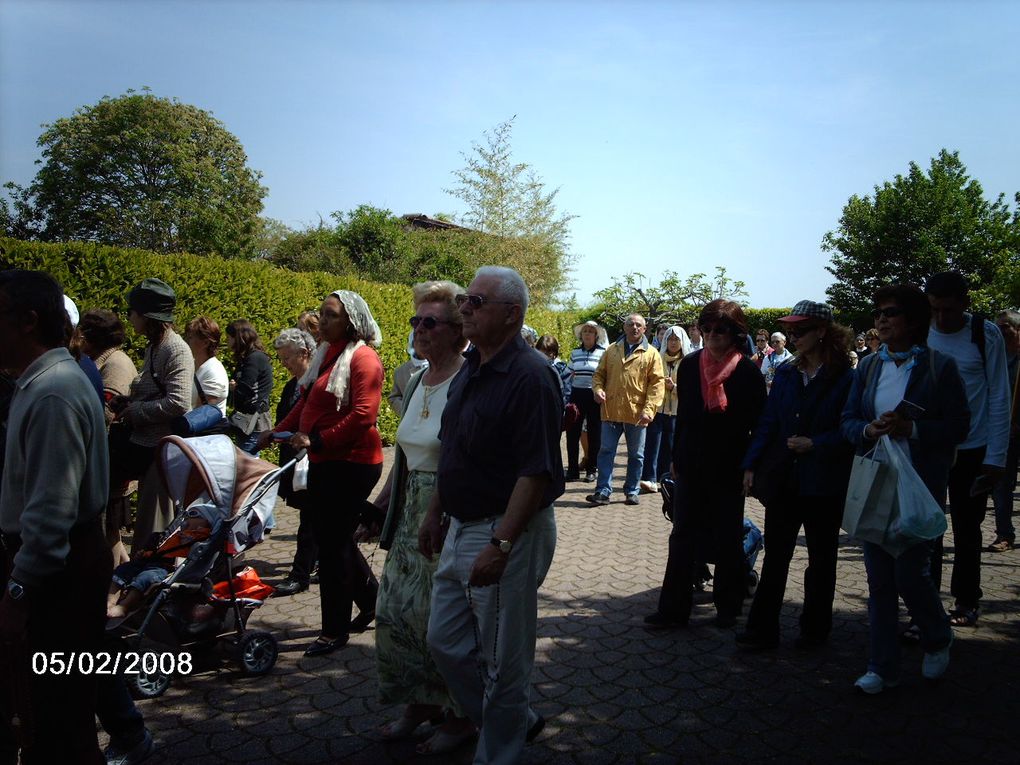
(686,346)
(366,332)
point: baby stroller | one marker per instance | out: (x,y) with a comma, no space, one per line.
(204,602)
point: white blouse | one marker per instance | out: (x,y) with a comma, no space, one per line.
(418,432)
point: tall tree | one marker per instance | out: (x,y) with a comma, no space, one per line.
(918,225)
(510,202)
(673,300)
(149,172)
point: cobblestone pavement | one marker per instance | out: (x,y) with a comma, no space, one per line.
(615,693)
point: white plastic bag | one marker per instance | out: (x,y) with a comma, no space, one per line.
(871,496)
(917,516)
(300,479)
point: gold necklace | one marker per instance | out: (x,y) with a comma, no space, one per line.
(425,393)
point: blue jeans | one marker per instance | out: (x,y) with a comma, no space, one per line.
(1002,494)
(909,577)
(635,435)
(659,447)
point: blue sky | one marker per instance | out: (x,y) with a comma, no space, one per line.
(683,135)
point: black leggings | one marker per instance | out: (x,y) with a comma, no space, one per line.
(585,400)
(337,491)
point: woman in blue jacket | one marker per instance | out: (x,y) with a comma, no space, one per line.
(798,465)
(904,369)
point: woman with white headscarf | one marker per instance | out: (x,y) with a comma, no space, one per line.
(659,438)
(335,420)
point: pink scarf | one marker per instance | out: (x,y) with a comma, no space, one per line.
(713,375)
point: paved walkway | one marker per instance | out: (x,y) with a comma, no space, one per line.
(615,693)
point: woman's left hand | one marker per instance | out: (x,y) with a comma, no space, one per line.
(300,441)
(799,444)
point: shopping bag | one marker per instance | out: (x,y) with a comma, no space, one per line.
(299,481)
(871,495)
(917,516)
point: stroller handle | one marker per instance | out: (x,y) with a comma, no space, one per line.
(297,458)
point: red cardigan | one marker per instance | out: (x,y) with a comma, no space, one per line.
(348,433)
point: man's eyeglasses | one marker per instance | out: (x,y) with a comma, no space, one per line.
(889,312)
(477,301)
(428,322)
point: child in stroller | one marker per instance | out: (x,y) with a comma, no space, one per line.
(133,579)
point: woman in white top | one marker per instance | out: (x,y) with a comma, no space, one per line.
(203,337)
(406,671)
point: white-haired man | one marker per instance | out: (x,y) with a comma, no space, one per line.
(499,472)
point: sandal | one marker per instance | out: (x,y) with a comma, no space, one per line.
(402,727)
(444,743)
(964,617)
(911,635)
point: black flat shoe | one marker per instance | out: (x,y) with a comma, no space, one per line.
(290,587)
(362,621)
(322,645)
(660,621)
(535,729)
(755,641)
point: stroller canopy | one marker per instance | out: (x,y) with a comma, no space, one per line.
(212,469)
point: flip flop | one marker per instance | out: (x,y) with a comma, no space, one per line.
(964,617)
(444,743)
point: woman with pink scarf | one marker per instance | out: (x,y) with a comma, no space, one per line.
(721,396)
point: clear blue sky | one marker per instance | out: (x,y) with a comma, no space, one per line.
(682,135)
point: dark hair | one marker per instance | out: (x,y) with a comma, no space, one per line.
(102,328)
(726,312)
(947,284)
(39,293)
(246,339)
(309,322)
(916,309)
(548,345)
(834,348)
(206,330)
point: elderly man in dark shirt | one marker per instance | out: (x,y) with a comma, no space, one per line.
(499,472)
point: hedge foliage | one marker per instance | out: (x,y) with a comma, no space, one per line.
(99,276)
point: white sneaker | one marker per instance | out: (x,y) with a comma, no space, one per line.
(935,664)
(872,683)
(649,487)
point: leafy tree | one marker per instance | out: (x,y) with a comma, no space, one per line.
(509,201)
(673,300)
(143,171)
(918,225)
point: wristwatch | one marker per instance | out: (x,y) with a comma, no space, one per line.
(15,589)
(503,545)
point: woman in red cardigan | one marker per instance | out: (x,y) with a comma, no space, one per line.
(335,420)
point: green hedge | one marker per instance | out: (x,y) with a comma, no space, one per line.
(99,276)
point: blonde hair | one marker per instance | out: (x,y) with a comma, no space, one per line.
(444,292)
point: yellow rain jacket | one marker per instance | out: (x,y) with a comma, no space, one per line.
(633,385)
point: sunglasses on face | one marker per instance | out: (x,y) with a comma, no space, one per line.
(716,329)
(889,312)
(477,301)
(425,321)
(797,334)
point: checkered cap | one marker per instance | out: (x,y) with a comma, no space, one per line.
(809,309)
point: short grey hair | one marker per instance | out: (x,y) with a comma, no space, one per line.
(298,338)
(1009,317)
(778,336)
(511,285)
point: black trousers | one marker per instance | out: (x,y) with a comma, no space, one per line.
(820,517)
(708,525)
(590,414)
(307,551)
(65,614)
(966,513)
(337,491)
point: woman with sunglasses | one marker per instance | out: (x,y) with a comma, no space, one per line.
(335,420)
(721,396)
(915,396)
(406,671)
(798,465)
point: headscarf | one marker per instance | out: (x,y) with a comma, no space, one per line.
(368,333)
(685,344)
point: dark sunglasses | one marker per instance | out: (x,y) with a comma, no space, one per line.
(477,301)
(426,321)
(718,329)
(799,332)
(890,313)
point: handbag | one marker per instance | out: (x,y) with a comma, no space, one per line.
(202,420)
(773,472)
(871,495)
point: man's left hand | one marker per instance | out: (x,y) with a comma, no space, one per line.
(644,421)
(488,567)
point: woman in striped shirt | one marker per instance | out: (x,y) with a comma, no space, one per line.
(583,361)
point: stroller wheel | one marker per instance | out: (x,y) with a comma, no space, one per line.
(147,685)
(257,651)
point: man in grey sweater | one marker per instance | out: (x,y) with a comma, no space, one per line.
(55,562)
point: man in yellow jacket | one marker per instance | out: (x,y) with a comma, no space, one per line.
(628,384)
